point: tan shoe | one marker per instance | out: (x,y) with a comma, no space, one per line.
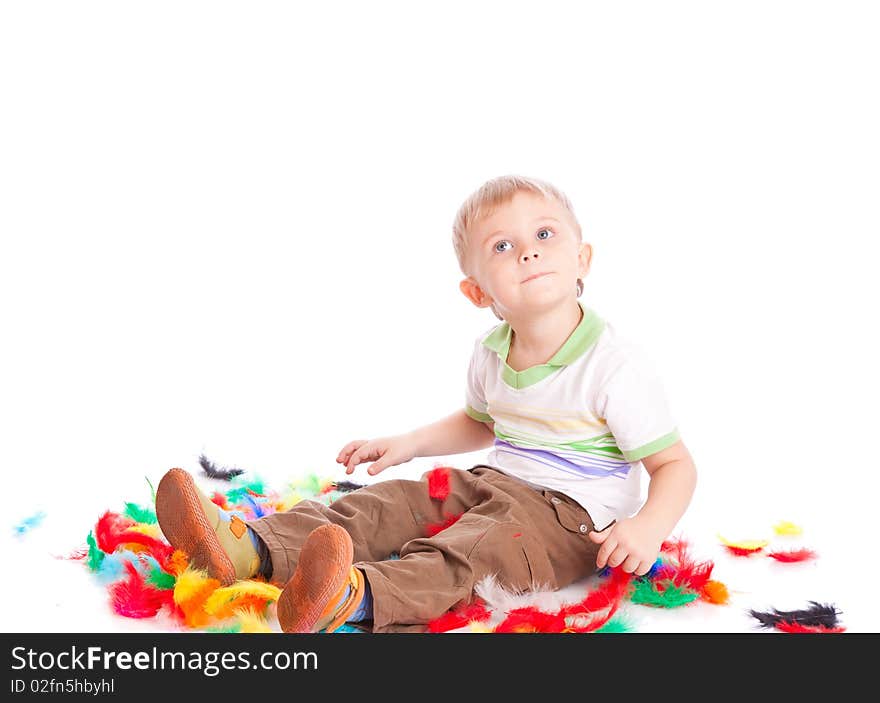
(314,598)
(193,524)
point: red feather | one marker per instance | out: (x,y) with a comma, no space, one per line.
(112,531)
(531,620)
(75,555)
(454,619)
(795,627)
(433,528)
(108,527)
(218,499)
(438,483)
(133,598)
(742,551)
(600,604)
(691,574)
(792,555)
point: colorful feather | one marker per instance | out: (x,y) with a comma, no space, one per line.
(818,615)
(744,547)
(715,592)
(432,529)
(133,598)
(530,619)
(660,595)
(191,592)
(29,523)
(346,486)
(786,528)
(113,566)
(212,471)
(454,619)
(95,555)
(793,555)
(249,620)
(687,573)
(140,514)
(615,625)
(438,483)
(228,598)
(797,628)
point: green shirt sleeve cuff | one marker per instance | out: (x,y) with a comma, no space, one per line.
(657,445)
(478,416)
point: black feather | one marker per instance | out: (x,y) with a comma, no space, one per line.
(347,486)
(824,615)
(212,471)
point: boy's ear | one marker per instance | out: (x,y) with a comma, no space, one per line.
(472,291)
(585,257)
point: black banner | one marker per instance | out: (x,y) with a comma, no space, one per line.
(144,665)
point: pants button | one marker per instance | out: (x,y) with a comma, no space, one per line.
(555,500)
(583,528)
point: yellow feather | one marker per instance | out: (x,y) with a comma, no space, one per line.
(787,528)
(251,621)
(289,501)
(480,627)
(748,544)
(147,529)
(191,584)
(259,589)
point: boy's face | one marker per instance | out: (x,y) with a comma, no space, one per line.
(525,257)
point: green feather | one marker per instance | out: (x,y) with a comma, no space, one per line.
(311,484)
(236,495)
(96,556)
(646,593)
(220,629)
(139,514)
(152,490)
(161,580)
(616,624)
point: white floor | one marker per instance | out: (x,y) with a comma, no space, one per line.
(63,596)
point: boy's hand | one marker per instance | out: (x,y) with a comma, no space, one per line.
(384,452)
(632,542)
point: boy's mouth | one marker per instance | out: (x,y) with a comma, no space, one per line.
(537,275)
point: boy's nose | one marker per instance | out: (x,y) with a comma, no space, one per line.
(529,255)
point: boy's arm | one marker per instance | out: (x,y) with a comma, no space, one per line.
(456,434)
(673,479)
(635,542)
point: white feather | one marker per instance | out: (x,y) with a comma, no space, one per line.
(502,600)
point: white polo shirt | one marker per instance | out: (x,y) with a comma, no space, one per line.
(579,424)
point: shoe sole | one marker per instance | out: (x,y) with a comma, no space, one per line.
(185,525)
(321,572)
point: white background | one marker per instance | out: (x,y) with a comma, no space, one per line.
(226,229)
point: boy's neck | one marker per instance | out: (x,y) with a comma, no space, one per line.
(535,341)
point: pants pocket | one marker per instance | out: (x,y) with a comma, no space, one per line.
(515,558)
(570,514)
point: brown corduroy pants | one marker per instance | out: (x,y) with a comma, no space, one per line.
(529,539)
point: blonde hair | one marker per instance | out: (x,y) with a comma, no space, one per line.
(494,193)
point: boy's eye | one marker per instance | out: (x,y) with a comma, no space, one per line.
(547,233)
(499,244)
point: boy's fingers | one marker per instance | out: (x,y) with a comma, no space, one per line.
(353,461)
(605,551)
(631,565)
(348,449)
(599,537)
(617,557)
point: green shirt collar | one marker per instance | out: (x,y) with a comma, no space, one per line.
(581,339)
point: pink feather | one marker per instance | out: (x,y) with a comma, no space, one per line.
(133,598)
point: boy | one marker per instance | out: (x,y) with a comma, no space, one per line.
(570,408)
